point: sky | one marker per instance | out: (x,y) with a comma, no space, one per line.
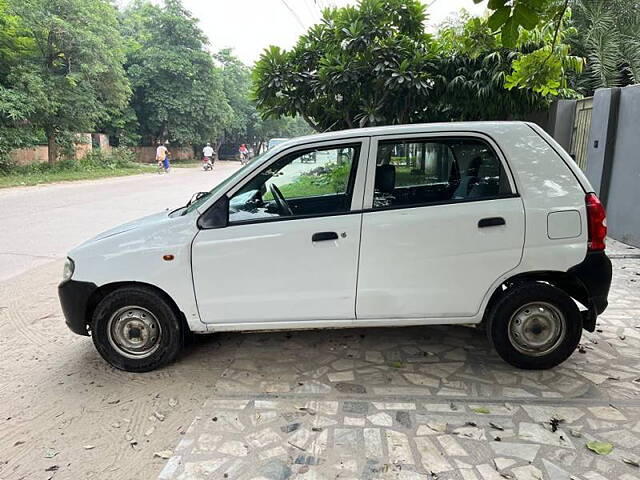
(248,26)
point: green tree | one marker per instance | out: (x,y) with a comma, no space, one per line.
(362,65)
(478,76)
(511,17)
(178,93)
(371,65)
(19,95)
(236,80)
(607,35)
(74,70)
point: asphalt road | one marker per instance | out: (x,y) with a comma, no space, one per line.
(42,223)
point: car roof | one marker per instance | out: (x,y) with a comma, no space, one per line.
(482,127)
(413,127)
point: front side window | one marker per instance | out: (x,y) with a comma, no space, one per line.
(422,172)
(306,183)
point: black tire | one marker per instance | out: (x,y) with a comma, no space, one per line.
(165,349)
(503,334)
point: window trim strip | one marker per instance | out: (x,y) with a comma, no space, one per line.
(373,210)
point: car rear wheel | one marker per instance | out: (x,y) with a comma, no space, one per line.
(135,329)
(535,326)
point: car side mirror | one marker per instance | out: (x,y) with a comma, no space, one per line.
(216,216)
(196,196)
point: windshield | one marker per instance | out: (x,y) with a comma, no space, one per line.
(222,185)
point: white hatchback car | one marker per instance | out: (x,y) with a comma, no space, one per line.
(486,223)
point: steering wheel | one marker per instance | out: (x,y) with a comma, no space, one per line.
(282,204)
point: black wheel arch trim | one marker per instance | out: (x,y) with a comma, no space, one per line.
(80,299)
(74,299)
(588,282)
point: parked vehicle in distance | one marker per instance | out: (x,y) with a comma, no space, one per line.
(488,223)
(275,142)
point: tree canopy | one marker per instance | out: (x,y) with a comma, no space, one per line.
(374,64)
(142,74)
(177,91)
(67,73)
(361,65)
(607,35)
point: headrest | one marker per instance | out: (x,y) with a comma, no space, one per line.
(385,178)
(474,166)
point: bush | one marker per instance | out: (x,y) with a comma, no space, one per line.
(119,157)
(6,163)
(94,161)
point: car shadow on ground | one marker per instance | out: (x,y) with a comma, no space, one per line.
(445,361)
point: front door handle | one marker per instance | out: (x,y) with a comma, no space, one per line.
(324,236)
(491,222)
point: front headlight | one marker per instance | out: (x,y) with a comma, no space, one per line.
(67,272)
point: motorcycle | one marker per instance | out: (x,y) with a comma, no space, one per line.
(207,164)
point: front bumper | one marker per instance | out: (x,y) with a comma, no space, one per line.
(74,299)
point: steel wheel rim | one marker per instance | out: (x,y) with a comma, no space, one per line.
(537,328)
(134,332)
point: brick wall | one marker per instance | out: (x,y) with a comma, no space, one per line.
(40,153)
(148,154)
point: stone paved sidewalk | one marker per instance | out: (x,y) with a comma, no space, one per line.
(431,402)
(618,250)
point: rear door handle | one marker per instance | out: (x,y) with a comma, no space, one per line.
(324,236)
(491,222)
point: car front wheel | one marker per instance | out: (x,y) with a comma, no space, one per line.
(135,329)
(535,326)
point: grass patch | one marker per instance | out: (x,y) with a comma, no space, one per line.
(188,163)
(95,165)
(307,187)
(327,180)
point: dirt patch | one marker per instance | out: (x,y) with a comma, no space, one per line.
(66,414)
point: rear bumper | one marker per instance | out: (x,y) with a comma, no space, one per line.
(74,299)
(594,273)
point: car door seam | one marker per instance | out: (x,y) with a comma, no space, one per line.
(364,193)
(193,280)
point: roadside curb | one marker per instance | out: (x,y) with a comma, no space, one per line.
(621,256)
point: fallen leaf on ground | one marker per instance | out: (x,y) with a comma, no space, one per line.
(166,454)
(483,410)
(48,453)
(601,448)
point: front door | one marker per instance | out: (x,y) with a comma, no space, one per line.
(290,250)
(444,224)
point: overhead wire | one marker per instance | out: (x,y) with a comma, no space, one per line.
(295,14)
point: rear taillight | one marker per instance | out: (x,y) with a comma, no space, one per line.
(597,222)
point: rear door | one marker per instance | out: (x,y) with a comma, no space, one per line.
(442,223)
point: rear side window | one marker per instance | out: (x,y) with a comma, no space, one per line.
(423,172)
